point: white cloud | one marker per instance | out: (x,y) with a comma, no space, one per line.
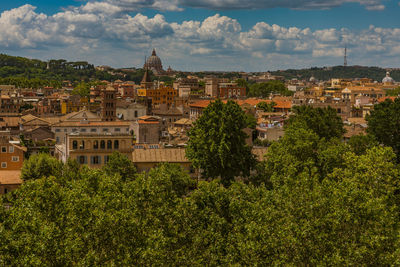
(110,6)
(103,35)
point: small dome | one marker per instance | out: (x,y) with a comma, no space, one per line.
(312,79)
(387,79)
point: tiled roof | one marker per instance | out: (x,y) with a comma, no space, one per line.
(159,155)
(91,124)
(175,155)
(382,99)
(10,177)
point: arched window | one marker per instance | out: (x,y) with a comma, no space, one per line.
(109,144)
(116,144)
(82,160)
(95,144)
(74,144)
(102,144)
(82,146)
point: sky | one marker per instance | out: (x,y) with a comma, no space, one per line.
(196,35)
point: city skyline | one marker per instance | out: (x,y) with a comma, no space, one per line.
(209,35)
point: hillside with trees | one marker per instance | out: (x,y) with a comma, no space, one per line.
(349,72)
(32,73)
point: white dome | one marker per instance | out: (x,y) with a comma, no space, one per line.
(387,79)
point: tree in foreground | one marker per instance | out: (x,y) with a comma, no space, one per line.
(384,124)
(121,164)
(322,121)
(40,165)
(217,143)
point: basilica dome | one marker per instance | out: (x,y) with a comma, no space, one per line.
(387,79)
(154,64)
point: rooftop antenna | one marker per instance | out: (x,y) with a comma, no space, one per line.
(345,56)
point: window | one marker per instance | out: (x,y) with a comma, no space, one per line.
(4,164)
(83,130)
(95,159)
(95,144)
(93,130)
(102,144)
(105,129)
(82,146)
(74,144)
(136,113)
(10,149)
(3,149)
(15,158)
(82,159)
(74,130)
(58,130)
(65,130)
(116,144)
(109,144)
(58,139)
(106,158)
(117,129)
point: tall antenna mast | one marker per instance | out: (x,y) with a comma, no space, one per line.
(345,56)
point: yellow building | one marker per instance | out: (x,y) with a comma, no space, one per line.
(73,104)
(158,94)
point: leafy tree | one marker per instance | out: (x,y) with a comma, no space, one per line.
(323,121)
(40,165)
(393,92)
(266,107)
(384,124)
(361,143)
(217,142)
(120,164)
(268,88)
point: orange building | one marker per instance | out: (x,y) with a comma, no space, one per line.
(11,161)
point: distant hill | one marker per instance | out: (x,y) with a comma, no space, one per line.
(348,72)
(25,72)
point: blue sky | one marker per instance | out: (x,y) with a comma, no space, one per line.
(254,35)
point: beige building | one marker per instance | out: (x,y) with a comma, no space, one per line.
(130,111)
(86,122)
(147,130)
(94,149)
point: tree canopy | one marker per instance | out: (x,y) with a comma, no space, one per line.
(384,124)
(322,121)
(217,142)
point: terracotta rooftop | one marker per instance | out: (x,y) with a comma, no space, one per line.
(10,177)
(382,99)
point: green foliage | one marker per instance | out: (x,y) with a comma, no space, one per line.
(120,164)
(361,143)
(384,124)
(40,165)
(393,92)
(266,107)
(217,142)
(323,121)
(251,121)
(313,202)
(268,88)
(82,89)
